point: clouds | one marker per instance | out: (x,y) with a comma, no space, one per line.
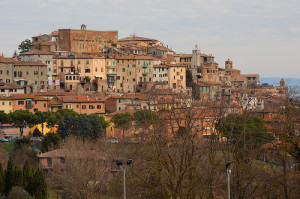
(253,33)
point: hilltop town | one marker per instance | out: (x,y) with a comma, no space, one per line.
(96,72)
(83,100)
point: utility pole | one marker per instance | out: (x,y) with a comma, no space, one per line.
(228,177)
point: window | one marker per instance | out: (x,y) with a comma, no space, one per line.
(87,62)
(7,80)
(20,102)
(101,69)
(78,62)
(3,103)
(67,77)
(27,73)
(123,69)
(133,79)
(181,77)
(174,85)
(178,73)
(87,70)
(49,162)
(35,82)
(83,106)
(36,73)
(35,110)
(7,71)
(121,85)
(2,90)
(44,105)
(9,103)
(98,106)
(0,71)
(91,107)
(62,160)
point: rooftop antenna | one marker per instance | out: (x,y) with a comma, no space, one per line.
(133,34)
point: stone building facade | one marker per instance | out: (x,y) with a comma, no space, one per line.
(83,40)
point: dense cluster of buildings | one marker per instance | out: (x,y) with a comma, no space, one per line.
(96,72)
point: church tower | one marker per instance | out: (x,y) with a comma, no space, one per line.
(282,83)
(195,61)
(228,64)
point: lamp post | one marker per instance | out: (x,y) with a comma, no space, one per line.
(228,177)
(120,163)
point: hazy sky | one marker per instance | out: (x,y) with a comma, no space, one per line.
(260,36)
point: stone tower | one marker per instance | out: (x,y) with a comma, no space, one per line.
(282,83)
(83,27)
(195,61)
(228,64)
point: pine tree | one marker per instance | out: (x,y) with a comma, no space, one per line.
(39,184)
(2,180)
(27,178)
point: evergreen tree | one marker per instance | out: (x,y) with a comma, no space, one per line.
(2,180)
(40,186)
(27,178)
(9,176)
(18,175)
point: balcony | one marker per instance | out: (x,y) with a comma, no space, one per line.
(29,106)
(145,65)
(145,73)
(111,79)
(109,72)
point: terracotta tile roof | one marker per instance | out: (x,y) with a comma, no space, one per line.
(251,75)
(6,98)
(52,93)
(129,96)
(160,66)
(79,99)
(29,63)
(37,52)
(11,86)
(28,96)
(54,33)
(186,55)
(135,38)
(55,103)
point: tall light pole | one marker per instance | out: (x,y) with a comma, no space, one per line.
(120,163)
(228,177)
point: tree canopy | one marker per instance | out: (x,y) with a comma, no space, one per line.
(84,126)
(25,46)
(244,129)
(21,118)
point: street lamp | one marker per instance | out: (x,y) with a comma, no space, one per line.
(228,177)
(120,163)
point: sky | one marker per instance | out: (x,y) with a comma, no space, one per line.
(259,36)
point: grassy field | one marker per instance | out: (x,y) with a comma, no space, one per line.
(7,147)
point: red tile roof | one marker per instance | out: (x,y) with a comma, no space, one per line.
(29,63)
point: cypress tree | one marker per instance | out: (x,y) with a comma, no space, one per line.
(27,178)
(18,175)
(2,181)
(39,184)
(9,176)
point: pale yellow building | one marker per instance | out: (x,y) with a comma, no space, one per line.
(6,104)
(177,77)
